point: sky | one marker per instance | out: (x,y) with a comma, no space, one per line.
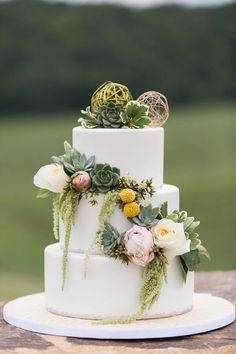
(146,3)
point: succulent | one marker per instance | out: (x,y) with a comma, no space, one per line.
(89,119)
(147,216)
(73,161)
(110,115)
(105,177)
(135,115)
(110,238)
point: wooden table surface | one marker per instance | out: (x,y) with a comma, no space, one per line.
(17,341)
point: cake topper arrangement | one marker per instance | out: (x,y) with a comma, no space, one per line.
(155,236)
(112,106)
(158,107)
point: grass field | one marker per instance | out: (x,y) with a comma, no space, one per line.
(199,155)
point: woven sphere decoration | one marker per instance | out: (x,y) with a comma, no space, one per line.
(158,107)
(110,91)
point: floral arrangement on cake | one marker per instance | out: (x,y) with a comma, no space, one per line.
(156,236)
(112,106)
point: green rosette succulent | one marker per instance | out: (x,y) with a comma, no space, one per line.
(105,177)
(110,115)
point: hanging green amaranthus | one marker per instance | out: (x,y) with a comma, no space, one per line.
(68,212)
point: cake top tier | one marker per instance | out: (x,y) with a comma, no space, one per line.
(112,106)
(136,152)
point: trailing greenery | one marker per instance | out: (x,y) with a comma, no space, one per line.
(56,214)
(68,211)
(147,216)
(105,177)
(73,161)
(135,115)
(107,209)
(153,276)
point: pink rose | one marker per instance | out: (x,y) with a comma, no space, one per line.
(138,244)
(82,181)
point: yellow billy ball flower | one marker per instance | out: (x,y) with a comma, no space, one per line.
(127,195)
(131,209)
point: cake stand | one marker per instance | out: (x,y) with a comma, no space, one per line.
(208,313)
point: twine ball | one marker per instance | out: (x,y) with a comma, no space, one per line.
(158,107)
(110,91)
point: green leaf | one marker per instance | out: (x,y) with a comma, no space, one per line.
(203,251)
(67,146)
(174,217)
(191,259)
(136,115)
(184,269)
(164,209)
(43,193)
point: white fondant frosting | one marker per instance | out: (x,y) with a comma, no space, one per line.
(110,289)
(137,152)
(86,223)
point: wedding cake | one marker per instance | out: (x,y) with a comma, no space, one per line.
(124,251)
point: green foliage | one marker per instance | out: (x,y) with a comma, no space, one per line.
(109,204)
(110,115)
(56,214)
(43,193)
(89,120)
(105,177)
(153,275)
(73,161)
(191,259)
(144,190)
(135,115)
(111,238)
(147,216)
(108,207)
(190,225)
(163,211)
(68,206)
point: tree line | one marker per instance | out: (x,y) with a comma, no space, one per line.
(53,56)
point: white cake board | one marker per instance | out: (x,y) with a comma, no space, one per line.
(209,312)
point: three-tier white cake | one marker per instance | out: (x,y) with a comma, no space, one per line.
(125,251)
(110,288)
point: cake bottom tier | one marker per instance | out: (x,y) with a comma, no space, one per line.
(110,288)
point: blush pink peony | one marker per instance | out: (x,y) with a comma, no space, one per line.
(139,244)
(82,181)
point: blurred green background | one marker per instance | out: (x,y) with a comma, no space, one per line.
(53,56)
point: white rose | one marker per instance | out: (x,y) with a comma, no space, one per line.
(170,236)
(51,177)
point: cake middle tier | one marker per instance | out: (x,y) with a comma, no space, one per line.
(87,218)
(137,152)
